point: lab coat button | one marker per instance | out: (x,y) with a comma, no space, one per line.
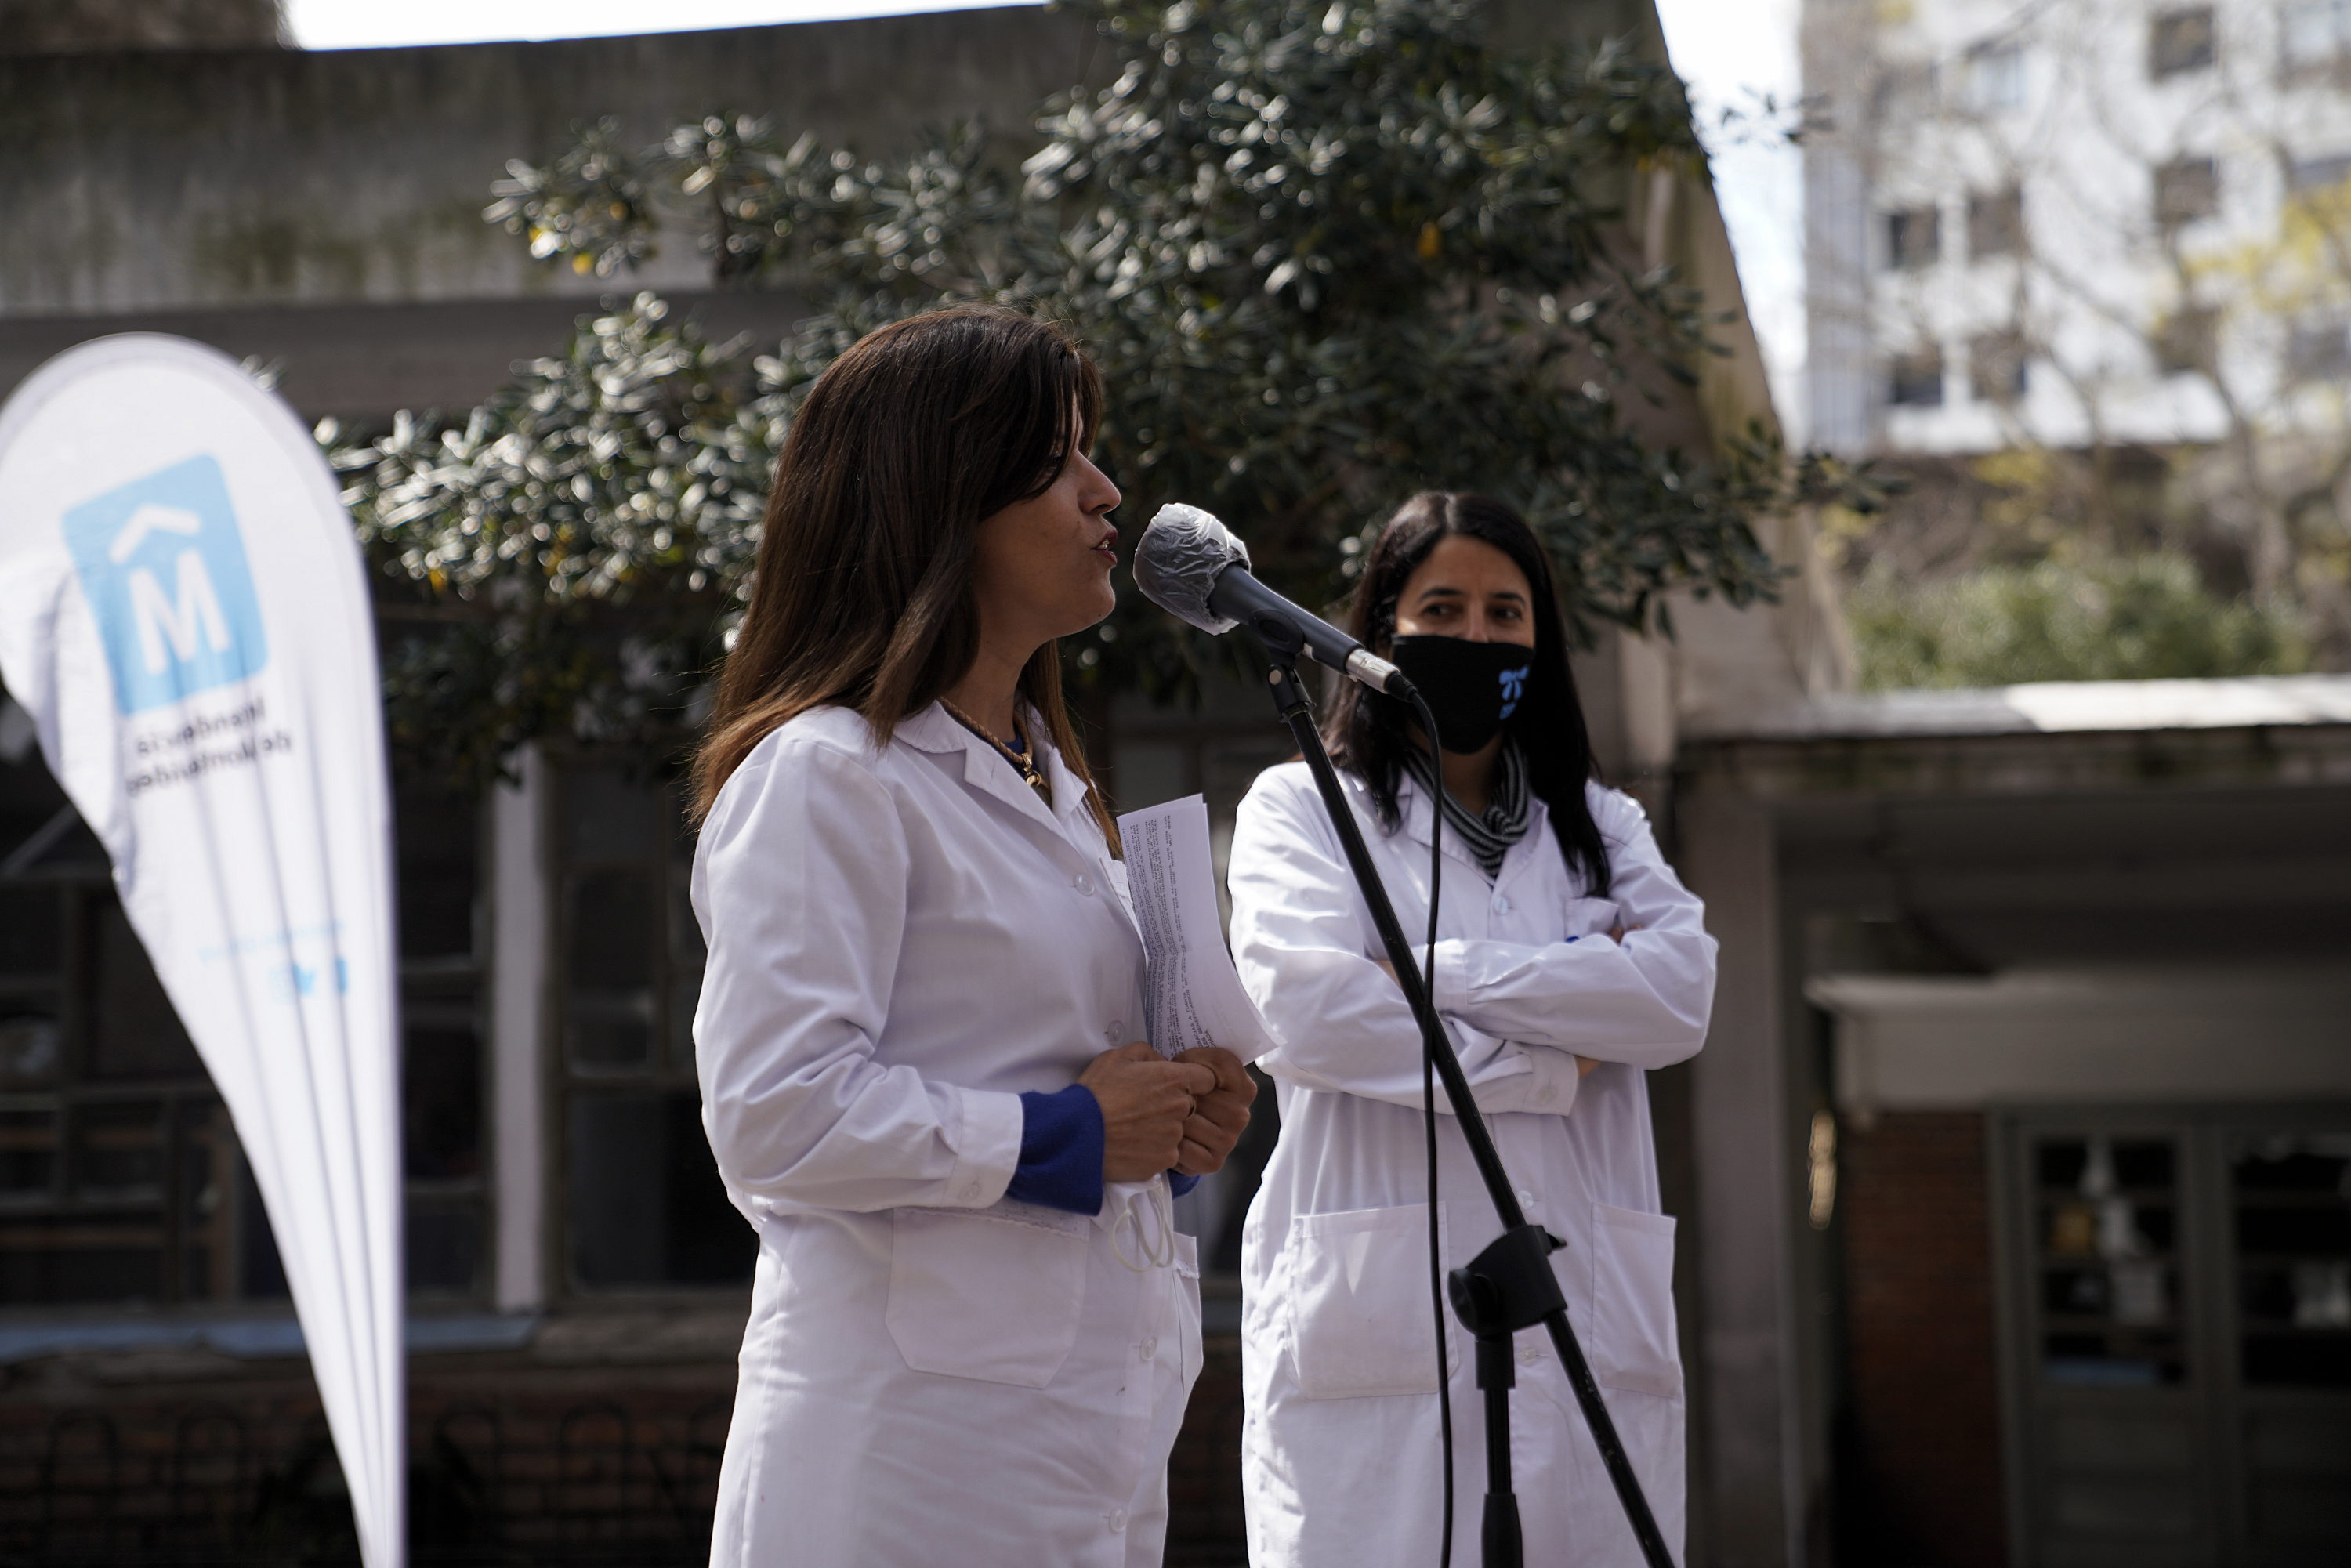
(1525,1196)
(971,1191)
(1117,1521)
(1082,883)
(1147,1348)
(1529,1354)
(1116,1031)
(1501,905)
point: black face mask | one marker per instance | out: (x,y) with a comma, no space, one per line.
(1471,687)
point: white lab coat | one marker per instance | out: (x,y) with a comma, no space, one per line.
(900,943)
(1341,1460)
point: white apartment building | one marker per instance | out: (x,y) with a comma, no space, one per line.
(2077,222)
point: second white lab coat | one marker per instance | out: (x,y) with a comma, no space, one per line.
(901,942)
(1339,1359)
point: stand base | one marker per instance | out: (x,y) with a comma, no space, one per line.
(1499,1539)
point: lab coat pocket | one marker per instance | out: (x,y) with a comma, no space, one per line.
(1359,1304)
(989,1294)
(1633,1339)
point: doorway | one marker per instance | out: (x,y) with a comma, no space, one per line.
(2175,1312)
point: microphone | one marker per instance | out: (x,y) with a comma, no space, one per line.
(1192,565)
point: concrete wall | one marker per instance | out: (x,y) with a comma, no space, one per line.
(63,26)
(154,182)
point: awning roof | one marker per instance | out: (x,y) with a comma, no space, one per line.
(2048,707)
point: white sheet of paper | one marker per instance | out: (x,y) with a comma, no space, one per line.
(1191,994)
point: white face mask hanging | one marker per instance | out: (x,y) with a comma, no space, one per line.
(1124,1204)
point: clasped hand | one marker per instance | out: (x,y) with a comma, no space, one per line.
(1183,1115)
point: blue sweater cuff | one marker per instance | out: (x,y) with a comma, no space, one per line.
(1179,1184)
(1061,1142)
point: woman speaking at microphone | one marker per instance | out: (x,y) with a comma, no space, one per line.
(1570,962)
(972,1327)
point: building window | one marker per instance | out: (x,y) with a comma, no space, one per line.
(2291,1199)
(1906,92)
(1995,77)
(2308,176)
(2186,340)
(1914,237)
(2180,41)
(1916,380)
(2106,1232)
(2178,1305)
(1996,367)
(644,1208)
(2318,350)
(2316,36)
(123,1184)
(1995,224)
(444,1067)
(2186,188)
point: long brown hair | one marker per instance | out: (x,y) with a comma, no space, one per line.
(863,592)
(1370,732)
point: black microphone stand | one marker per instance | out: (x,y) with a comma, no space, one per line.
(1510,1286)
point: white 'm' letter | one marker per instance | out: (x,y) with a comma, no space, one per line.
(160,621)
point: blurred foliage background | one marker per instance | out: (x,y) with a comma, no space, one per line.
(2144,617)
(2035,565)
(1326,252)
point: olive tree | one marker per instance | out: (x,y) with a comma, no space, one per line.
(1326,252)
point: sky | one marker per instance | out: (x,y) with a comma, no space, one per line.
(1728,50)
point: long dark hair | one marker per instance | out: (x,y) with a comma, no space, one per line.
(862,596)
(1370,733)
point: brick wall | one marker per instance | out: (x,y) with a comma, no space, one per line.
(176,1459)
(1204,1475)
(194,1459)
(1919,1470)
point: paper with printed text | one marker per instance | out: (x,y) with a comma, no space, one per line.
(1191,994)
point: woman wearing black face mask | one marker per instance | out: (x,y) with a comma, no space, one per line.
(1570,960)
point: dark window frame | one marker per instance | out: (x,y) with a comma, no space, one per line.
(447,993)
(2318,350)
(1914,238)
(2186,341)
(2187,191)
(577,1086)
(191,1124)
(1995,224)
(2325,172)
(1917,380)
(2215,1401)
(1985,59)
(2180,41)
(1998,368)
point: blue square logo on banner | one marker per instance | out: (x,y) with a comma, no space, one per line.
(164,572)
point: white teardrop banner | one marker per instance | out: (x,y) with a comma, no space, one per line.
(183,611)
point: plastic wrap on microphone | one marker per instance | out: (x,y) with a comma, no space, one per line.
(1178,560)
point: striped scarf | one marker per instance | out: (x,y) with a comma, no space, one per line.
(1487,838)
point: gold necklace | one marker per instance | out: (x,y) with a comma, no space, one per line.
(1024,757)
